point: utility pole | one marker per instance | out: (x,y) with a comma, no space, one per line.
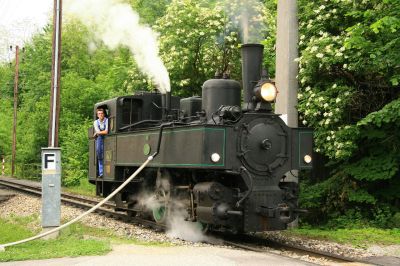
(14,143)
(55,76)
(287,69)
(51,156)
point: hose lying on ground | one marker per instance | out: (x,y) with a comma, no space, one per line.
(2,247)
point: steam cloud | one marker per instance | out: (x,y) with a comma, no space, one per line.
(248,16)
(116,24)
(177,226)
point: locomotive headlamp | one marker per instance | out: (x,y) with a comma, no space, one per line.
(215,157)
(307,159)
(266,91)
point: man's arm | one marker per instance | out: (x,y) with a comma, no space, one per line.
(105,131)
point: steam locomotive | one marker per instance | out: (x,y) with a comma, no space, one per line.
(222,162)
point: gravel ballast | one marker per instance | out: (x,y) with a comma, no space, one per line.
(25,205)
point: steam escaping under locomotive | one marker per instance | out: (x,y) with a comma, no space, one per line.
(221,161)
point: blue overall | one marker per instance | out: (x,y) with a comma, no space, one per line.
(100,147)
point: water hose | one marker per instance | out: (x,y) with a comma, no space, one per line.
(2,247)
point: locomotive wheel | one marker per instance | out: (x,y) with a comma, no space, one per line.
(203,227)
(161,211)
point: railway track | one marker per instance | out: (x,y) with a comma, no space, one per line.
(257,244)
(85,203)
(247,242)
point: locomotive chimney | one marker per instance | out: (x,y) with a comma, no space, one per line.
(252,57)
(166,104)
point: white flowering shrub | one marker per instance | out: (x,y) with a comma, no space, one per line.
(199,38)
(349,93)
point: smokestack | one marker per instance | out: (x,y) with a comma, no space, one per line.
(166,104)
(252,57)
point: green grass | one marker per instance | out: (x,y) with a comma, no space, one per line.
(84,188)
(362,237)
(75,241)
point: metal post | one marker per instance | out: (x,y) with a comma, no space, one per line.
(287,69)
(14,142)
(51,157)
(51,188)
(55,80)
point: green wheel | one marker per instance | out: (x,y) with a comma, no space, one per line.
(202,226)
(160,214)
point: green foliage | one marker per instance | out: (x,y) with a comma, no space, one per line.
(88,76)
(349,94)
(200,38)
(84,188)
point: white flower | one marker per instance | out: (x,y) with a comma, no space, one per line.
(299,96)
(304,122)
(326,105)
(338,54)
(297,59)
(342,49)
(321,99)
(308,88)
(346,93)
(325,114)
(322,7)
(345,66)
(334,11)
(328,138)
(302,37)
(313,49)
(338,100)
(319,55)
(327,121)
(334,86)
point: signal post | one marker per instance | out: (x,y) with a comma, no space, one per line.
(51,156)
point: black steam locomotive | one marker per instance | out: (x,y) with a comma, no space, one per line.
(222,162)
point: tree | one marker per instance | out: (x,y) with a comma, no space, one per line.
(349,76)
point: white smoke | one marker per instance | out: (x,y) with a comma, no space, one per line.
(177,224)
(178,227)
(248,16)
(116,24)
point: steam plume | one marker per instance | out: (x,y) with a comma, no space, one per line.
(116,24)
(248,16)
(177,224)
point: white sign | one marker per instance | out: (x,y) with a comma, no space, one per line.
(49,161)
